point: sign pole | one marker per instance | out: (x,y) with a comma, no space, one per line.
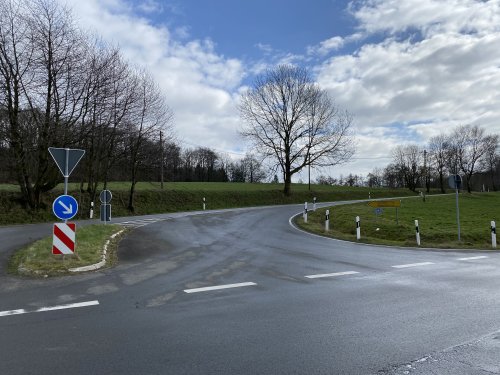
(66,174)
(458,213)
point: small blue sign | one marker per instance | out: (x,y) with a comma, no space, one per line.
(65,207)
(378,211)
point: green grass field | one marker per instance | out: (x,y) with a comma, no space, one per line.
(182,196)
(436,216)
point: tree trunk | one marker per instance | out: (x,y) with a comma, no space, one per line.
(131,196)
(288,185)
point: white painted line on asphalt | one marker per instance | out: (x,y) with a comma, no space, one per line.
(51,308)
(217,287)
(68,306)
(473,258)
(413,265)
(331,274)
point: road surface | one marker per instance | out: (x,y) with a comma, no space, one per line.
(244,292)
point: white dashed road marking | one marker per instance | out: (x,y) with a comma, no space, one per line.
(331,274)
(217,287)
(413,265)
(473,258)
(51,308)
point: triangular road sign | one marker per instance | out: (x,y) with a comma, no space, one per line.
(66,159)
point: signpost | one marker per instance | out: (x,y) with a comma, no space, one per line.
(455,182)
(105,197)
(65,207)
(63,241)
(66,160)
(378,205)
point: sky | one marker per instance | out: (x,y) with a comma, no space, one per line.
(406,69)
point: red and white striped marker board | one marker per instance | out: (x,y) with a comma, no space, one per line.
(64,238)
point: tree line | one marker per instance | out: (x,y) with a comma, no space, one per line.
(60,87)
(468,151)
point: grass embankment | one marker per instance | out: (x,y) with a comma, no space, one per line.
(182,196)
(37,259)
(436,216)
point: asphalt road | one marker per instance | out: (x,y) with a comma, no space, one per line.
(292,303)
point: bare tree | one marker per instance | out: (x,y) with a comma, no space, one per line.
(292,121)
(439,147)
(408,160)
(490,160)
(151,115)
(470,144)
(16,59)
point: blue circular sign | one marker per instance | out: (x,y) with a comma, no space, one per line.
(65,207)
(378,211)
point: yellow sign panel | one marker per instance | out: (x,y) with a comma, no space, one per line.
(377,204)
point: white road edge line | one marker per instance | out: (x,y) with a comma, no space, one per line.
(218,287)
(51,308)
(331,274)
(413,265)
(472,258)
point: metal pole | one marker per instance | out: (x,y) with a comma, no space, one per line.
(161,159)
(66,174)
(458,213)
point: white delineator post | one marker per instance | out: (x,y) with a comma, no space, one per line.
(417,232)
(358,228)
(305,212)
(314,204)
(493,235)
(327,221)
(91,210)
(204,205)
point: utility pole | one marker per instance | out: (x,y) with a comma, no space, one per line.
(161,160)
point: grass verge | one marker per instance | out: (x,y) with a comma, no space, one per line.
(180,197)
(436,216)
(37,259)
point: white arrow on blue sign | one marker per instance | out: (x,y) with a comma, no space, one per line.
(65,207)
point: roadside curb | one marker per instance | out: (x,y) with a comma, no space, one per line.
(100,264)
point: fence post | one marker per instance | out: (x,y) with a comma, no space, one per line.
(417,232)
(327,221)
(493,235)
(305,212)
(358,228)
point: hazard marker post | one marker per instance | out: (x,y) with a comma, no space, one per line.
(493,235)
(327,221)
(358,228)
(63,240)
(417,232)
(305,212)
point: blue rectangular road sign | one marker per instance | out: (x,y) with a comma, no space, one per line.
(105,212)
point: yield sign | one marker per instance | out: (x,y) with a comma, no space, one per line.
(66,158)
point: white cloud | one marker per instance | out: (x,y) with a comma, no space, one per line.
(150,6)
(197,82)
(326,46)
